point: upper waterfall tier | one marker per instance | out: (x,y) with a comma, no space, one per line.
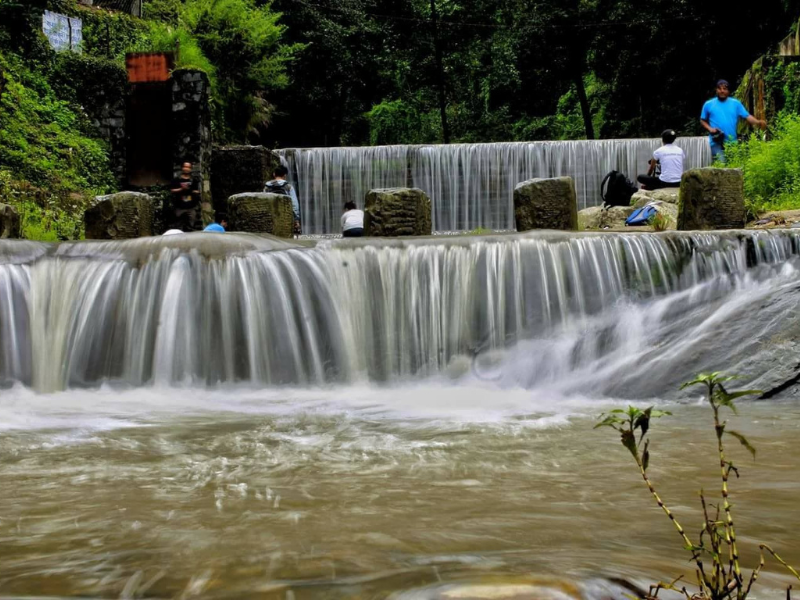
(153,310)
(470,185)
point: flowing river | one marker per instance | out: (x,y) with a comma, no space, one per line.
(237,417)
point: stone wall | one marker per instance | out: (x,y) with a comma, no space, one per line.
(261,213)
(191,130)
(239,169)
(395,212)
(9,222)
(121,216)
(711,199)
(546,204)
(110,121)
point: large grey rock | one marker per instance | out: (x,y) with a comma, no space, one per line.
(9,222)
(546,204)
(395,212)
(711,199)
(120,216)
(596,217)
(261,213)
(665,195)
(240,169)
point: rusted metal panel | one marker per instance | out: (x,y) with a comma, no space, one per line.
(150,67)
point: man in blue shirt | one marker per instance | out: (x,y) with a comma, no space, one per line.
(720,117)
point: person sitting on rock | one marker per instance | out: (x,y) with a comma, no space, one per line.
(185,200)
(352,221)
(670,158)
(279,185)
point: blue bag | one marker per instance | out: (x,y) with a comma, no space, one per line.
(642,216)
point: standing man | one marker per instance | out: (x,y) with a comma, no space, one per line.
(279,185)
(185,200)
(720,117)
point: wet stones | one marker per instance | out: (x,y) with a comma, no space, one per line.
(596,217)
(120,216)
(9,222)
(239,169)
(395,212)
(546,204)
(711,199)
(261,213)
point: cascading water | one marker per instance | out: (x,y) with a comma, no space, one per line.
(436,441)
(144,311)
(470,185)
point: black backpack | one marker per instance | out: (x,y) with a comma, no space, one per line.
(616,190)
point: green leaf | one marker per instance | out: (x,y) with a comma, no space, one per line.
(744,442)
(646,456)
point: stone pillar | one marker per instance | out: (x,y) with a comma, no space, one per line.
(9,222)
(110,121)
(711,199)
(261,213)
(191,131)
(395,212)
(239,169)
(546,204)
(121,216)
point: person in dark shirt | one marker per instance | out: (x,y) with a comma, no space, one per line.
(185,200)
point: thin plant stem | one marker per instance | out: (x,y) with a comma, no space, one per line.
(730,533)
(702,580)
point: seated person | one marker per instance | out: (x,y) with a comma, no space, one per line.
(670,158)
(352,221)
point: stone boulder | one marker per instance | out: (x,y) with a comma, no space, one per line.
(240,169)
(546,204)
(665,195)
(711,199)
(261,213)
(9,222)
(395,212)
(120,216)
(596,217)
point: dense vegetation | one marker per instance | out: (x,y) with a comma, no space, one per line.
(338,72)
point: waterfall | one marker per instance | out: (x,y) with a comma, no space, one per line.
(470,185)
(157,311)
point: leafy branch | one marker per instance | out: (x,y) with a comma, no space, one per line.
(723,579)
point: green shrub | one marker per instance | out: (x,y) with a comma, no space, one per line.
(44,217)
(41,137)
(400,122)
(771,168)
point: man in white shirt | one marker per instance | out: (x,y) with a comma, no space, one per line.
(352,221)
(670,158)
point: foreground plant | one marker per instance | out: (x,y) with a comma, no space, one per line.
(715,552)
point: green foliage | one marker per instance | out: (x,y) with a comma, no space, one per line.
(397,122)
(44,217)
(110,34)
(87,82)
(238,45)
(659,222)
(41,137)
(716,543)
(771,167)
